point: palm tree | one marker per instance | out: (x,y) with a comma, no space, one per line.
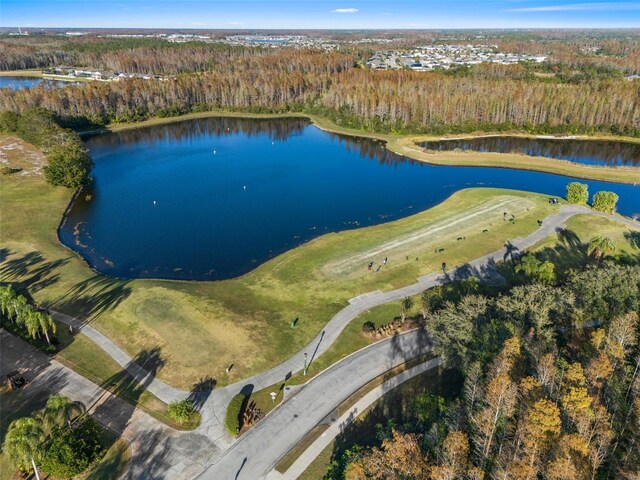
(59,412)
(45,324)
(406,303)
(600,246)
(29,318)
(23,442)
(17,305)
(6,296)
(529,265)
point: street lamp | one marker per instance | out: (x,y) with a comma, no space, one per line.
(305,364)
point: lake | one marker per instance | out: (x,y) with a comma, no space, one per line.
(16,83)
(589,152)
(214,198)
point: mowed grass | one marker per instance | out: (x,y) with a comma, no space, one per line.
(408,146)
(625,238)
(203,327)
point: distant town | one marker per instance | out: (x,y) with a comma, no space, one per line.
(64,72)
(430,57)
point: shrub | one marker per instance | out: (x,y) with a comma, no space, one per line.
(578,193)
(181,412)
(368,327)
(234,412)
(605,201)
(70,451)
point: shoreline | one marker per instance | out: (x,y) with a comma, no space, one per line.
(406,146)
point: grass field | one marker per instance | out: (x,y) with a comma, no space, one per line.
(406,145)
(566,256)
(202,327)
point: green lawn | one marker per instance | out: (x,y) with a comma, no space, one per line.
(200,328)
(566,253)
(408,146)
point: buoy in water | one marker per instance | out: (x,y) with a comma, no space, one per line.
(154,202)
(244,187)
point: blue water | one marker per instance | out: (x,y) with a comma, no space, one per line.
(17,83)
(589,152)
(212,199)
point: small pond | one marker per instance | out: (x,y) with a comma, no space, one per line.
(17,83)
(589,152)
(214,198)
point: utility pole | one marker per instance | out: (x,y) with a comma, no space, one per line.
(304,373)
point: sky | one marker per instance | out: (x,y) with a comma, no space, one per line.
(320,14)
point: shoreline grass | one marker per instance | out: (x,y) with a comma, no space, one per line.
(202,327)
(405,145)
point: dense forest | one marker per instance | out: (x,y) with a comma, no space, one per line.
(580,89)
(551,384)
(328,84)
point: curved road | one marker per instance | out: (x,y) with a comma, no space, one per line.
(263,445)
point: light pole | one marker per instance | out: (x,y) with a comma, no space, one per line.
(305,364)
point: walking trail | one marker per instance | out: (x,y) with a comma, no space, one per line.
(214,407)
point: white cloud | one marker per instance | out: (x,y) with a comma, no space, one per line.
(345,10)
(574,7)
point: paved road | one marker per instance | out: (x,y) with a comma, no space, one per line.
(262,446)
(337,426)
(214,409)
(157,451)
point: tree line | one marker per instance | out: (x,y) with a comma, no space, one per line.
(551,381)
(327,84)
(68,160)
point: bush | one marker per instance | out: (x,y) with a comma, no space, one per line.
(234,412)
(70,451)
(577,193)
(368,327)
(605,201)
(8,122)
(181,412)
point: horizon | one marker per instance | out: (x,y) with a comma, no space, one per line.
(321,14)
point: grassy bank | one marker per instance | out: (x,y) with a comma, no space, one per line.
(201,328)
(34,72)
(406,145)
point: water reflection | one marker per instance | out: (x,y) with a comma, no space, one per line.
(210,199)
(590,152)
(17,83)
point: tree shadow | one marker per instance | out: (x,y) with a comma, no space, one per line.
(5,253)
(94,296)
(113,411)
(569,238)
(511,252)
(30,270)
(405,347)
(633,238)
(201,391)
(488,273)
